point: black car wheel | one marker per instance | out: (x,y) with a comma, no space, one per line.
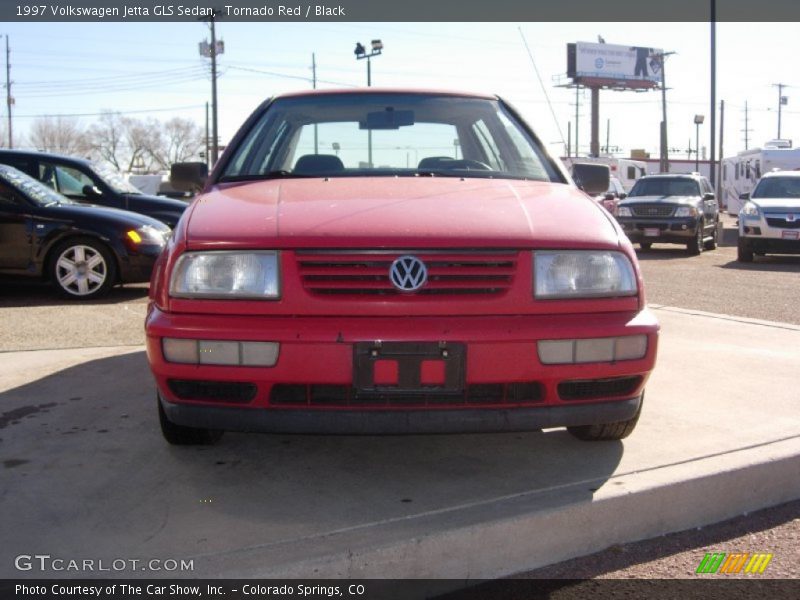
(744,252)
(83,268)
(695,246)
(607,431)
(645,245)
(179,435)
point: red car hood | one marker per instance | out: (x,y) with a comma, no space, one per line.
(392,212)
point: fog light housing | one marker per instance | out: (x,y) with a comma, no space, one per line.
(220,352)
(613,349)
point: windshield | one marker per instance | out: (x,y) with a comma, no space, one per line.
(388,134)
(777,187)
(665,186)
(36,191)
(114,179)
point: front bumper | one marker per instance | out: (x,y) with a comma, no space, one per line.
(317,356)
(760,236)
(671,231)
(137,267)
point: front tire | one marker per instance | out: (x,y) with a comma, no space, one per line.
(179,435)
(645,245)
(744,252)
(607,431)
(82,268)
(695,246)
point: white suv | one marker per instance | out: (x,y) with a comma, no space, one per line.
(770,219)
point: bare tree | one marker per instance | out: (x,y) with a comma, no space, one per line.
(58,134)
(181,141)
(143,138)
(107,139)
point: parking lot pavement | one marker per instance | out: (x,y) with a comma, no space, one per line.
(86,474)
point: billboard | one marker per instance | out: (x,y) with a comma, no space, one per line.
(614,65)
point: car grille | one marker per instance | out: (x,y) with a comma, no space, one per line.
(783,223)
(652,210)
(589,389)
(299,395)
(366,272)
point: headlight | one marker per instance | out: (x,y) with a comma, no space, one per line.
(226,274)
(145,236)
(686,211)
(623,211)
(749,210)
(582,274)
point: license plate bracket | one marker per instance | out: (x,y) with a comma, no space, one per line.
(409,357)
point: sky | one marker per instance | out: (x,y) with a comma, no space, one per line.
(155,69)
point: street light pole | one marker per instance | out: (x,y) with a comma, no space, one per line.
(664,162)
(9,98)
(698,119)
(360,52)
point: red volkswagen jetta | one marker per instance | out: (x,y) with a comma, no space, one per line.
(383,261)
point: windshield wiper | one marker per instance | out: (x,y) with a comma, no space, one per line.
(281,174)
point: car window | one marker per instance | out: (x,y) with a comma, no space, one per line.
(777,187)
(665,186)
(71,181)
(34,190)
(391,134)
(8,198)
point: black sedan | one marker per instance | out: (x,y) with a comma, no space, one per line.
(83,250)
(92,183)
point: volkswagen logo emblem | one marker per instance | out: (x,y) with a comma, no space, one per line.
(408,273)
(790,217)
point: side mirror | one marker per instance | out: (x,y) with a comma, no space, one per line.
(745,196)
(609,196)
(188,176)
(708,196)
(623,195)
(91,191)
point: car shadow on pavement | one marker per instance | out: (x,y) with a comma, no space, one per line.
(777,264)
(663,253)
(85,442)
(15,293)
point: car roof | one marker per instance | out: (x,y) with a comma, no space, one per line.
(673,175)
(781,174)
(385,90)
(37,154)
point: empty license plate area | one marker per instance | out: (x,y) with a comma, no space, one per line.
(409,367)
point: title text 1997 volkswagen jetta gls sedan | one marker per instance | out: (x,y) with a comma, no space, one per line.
(396,261)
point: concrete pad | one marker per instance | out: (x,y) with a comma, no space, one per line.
(86,474)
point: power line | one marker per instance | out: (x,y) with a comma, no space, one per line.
(284,75)
(118,112)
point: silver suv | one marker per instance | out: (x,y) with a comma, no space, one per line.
(769,222)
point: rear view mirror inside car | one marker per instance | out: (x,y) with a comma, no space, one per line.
(388,119)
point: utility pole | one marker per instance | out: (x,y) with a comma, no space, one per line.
(608,136)
(664,162)
(713,122)
(314,86)
(9,98)
(746,129)
(214,124)
(781,101)
(207,138)
(577,116)
(721,152)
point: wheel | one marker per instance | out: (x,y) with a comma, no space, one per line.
(607,431)
(178,435)
(83,268)
(645,245)
(712,243)
(695,246)
(744,252)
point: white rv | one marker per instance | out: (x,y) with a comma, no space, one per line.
(627,170)
(740,172)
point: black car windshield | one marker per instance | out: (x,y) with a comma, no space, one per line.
(114,179)
(665,186)
(777,187)
(390,135)
(34,190)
